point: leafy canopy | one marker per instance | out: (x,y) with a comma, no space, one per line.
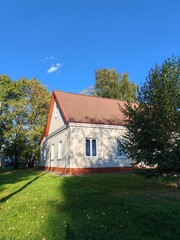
(110,84)
(153,136)
(24,109)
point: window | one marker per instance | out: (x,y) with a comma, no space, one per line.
(52,152)
(87,147)
(44,156)
(91,148)
(120,150)
(56,110)
(59,150)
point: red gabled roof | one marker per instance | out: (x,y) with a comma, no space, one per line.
(86,109)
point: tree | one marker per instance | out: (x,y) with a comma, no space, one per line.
(153,135)
(107,83)
(89,92)
(38,106)
(110,84)
(24,108)
(4,94)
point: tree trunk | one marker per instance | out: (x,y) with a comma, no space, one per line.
(16,164)
(31,162)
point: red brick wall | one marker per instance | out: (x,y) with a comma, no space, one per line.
(75,171)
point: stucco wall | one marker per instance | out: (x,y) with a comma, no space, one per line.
(106,137)
(62,134)
(56,122)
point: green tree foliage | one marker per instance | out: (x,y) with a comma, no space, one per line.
(24,109)
(5,93)
(107,83)
(153,136)
(110,84)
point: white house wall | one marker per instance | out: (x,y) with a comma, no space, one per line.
(106,137)
(56,120)
(60,135)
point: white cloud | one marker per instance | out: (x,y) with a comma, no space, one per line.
(50,58)
(54,68)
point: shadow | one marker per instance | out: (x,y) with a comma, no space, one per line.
(69,233)
(98,114)
(107,148)
(109,206)
(20,189)
(113,206)
(92,207)
(11,176)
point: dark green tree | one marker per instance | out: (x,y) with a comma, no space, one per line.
(24,108)
(153,136)
(110,84)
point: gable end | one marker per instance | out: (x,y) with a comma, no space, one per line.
(54,100)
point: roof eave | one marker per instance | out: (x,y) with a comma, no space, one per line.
(46,129)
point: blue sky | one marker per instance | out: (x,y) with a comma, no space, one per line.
(63,42)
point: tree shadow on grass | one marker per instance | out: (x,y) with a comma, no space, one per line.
(103,207)
(20,189)
(11,176)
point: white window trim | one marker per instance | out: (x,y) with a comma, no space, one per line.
(52,152)
(44,154)
(91,139)
(60,150)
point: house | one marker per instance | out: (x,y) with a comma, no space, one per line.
(83,135)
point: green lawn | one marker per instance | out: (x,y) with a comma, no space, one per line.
(42,206)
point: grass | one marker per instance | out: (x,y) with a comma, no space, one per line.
(42,206)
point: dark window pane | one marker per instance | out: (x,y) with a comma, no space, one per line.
(93,147)
(87,147)
(119,147)
(121,152)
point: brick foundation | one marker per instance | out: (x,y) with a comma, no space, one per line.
(76,171)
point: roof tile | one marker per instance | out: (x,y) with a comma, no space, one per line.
(87,109)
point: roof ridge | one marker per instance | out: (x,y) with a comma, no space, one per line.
(91,96)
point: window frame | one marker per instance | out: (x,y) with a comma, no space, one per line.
(60,150)
(52,151)
(88,147)
(120,150)
(44,154)
(91,151)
